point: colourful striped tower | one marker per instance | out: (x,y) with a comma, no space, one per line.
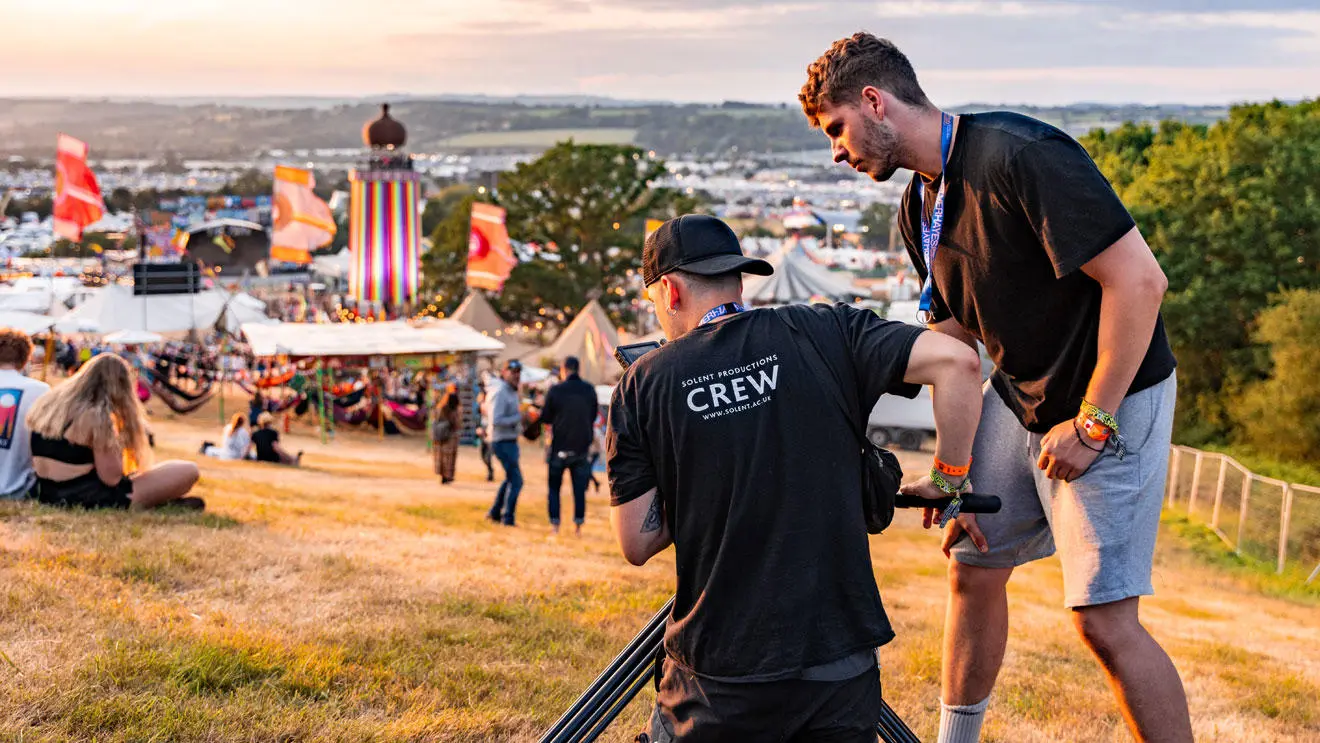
(384,239)
(384,225)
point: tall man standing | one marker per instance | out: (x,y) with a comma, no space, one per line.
(570,411)
(1024,246)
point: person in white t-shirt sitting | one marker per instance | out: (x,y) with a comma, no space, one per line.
(17,393)
(235,443)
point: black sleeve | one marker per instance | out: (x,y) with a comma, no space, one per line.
(909,227)
(880,350)
(1068,202)
(549,408)
(626,459)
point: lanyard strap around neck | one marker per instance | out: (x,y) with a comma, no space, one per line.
(932,227)
(728,308)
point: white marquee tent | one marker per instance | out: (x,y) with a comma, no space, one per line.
(116,308)
(393,338)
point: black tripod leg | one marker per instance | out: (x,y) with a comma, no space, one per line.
(615,707)
(891,727)
(607,678)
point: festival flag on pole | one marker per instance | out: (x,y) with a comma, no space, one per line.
(303,221)
(77,195)
(490,255)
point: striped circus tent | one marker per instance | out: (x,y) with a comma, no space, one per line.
(797,280)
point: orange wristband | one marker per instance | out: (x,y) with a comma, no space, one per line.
(950,470)
(1095,430)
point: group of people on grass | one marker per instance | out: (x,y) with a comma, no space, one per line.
(252,437)
(571,411)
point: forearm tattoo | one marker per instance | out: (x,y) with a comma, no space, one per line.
(652,521)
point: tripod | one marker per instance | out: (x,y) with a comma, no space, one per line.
(627,674)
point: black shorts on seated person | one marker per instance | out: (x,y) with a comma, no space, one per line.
(85,491)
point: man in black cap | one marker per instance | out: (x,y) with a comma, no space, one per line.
(570,411)
(503,425)
(739,442)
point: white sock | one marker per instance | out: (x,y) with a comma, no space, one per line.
(962,723)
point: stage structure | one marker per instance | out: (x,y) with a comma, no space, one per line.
(384,225)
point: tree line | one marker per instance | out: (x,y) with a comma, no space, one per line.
(1232,212)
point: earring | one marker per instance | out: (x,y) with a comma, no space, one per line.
(672,311)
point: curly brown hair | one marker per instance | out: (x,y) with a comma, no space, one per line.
(852,64)
(15,348)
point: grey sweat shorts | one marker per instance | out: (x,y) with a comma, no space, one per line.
(1103,523)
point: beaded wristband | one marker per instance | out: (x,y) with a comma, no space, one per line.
(1090,410)
(955,506)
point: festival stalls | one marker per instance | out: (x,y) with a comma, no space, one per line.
(797,280)
(592,338)
(376,345)
(178,381)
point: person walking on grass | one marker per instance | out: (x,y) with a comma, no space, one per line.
(445,429)
(1024,246)
(503,425)
(570,411)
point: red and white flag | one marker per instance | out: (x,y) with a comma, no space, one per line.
(78,200)
(490,254)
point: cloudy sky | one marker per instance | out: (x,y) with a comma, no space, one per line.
(1029,51)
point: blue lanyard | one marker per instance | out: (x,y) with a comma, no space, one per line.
(728,308)
(932,227)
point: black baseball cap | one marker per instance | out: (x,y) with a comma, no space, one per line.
(513,365)
(698,244)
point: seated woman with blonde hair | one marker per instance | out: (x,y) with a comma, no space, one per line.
(84,431)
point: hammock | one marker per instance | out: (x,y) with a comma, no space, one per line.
(356,416)
(268,380)
(408,416)
(202,392)
(279,406)
(179,405)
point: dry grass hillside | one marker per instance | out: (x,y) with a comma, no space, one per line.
(357,600)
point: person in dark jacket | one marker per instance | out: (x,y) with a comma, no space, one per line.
(570,411)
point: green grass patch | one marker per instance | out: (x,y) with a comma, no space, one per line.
(1263,684)
(1258,575)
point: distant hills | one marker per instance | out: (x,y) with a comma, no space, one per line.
(239,128)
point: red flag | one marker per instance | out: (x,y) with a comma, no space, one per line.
(490,255)
(77,195)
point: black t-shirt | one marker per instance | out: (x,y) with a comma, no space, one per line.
(570,411)
(1025,208)
(740,427)
(264,439)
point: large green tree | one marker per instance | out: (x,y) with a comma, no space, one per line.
(1233,214)
(587,206)
(1281,414)
(876,219)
